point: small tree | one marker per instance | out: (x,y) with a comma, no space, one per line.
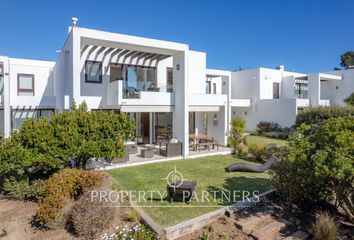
(236,137)
(350,100)
(347,59)
(320,165)
(43,146)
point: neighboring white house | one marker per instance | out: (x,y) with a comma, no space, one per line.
(163,85)
(278,95)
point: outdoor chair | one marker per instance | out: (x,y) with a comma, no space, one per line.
(181,191)
(170,148)
(244,167)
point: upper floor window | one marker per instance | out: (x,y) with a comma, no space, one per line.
(275,90)
(169,80)
(25,84)
(116,73)
(214,88)
(93,72)
(301,89)
(1,70)
(208,87)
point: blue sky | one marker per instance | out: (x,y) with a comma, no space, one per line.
(303,35)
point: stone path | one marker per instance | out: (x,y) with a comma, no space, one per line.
(263,226)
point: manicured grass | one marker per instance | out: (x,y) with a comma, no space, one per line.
(264,140)
(209,172)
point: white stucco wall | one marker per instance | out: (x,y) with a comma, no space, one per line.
(197,72)
(43,83)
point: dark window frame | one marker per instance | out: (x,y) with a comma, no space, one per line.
(86,72)
(214,88)
(25,89)
(208,88)
(276,94)
(168,71)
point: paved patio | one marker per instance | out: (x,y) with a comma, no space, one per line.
(136,159)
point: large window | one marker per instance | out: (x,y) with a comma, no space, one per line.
(93,72)
(169,76)
(25,84)
(163,126)
(139,78)
(301,90)
(275,90)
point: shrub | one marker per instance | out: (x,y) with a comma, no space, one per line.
(259,151)
(90,216)
(42,147)
(23,190)
(242,150)
(139,231)
(16,189)
(324,228)
(63,187)
(316,115)
(320,165)
(237,132)
(132,216)
(350,100)
(264,127)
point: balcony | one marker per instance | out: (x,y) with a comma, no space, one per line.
(133,100)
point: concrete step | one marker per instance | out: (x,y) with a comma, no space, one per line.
(298,235)
(269,230)
(248,224)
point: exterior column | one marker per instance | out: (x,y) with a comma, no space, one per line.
(6,104)
(180,88)
(75,55)
(314,92)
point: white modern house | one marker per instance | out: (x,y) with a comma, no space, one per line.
(163,85)
(277,95)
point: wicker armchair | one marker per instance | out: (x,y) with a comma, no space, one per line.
(169,149)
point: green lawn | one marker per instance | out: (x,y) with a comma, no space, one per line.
(264,140)
(208,172)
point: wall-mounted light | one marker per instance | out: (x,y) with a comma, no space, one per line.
(223,83)
(178,66)
(245,112)
(337,87)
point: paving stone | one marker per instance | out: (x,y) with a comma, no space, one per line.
(298,235)
(248,224)
(269,230)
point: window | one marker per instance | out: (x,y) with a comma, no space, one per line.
(301,90)
(215,120)
(25,84)
(275,90)
(214,88)
(139,78)
(93,72)
(207,87)
(116,73)
(1,70)
(169,76)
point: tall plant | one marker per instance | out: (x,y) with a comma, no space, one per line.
(237,131)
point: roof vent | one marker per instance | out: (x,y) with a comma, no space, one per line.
(280,67)
(74,20)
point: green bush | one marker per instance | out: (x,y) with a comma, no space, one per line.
(316,115)
(42,147)
(324,228)
(320,165)
(264,127)
(132,216)
(350,100)
(90,216)
(23,190)
(259,151)
(63,187)
(242,150)
(236,137)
